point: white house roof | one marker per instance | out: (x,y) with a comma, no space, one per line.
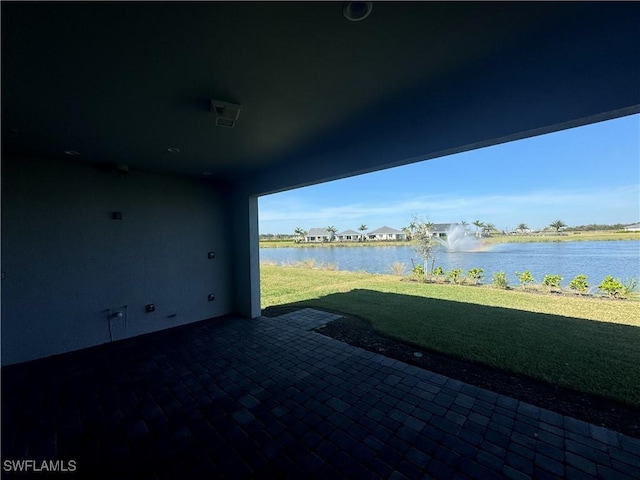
(385,230)
(318,232)
(443,227)
(348,232)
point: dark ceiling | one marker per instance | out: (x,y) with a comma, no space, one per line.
(122,82)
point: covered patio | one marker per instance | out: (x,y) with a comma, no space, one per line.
(273,399)
(136,140)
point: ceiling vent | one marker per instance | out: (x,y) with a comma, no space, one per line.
(225,114)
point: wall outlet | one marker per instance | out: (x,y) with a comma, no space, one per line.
(211,297)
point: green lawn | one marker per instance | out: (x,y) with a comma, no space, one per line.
(566,237)
(589,344)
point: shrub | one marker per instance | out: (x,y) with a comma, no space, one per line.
(417,273)
(611,287)
(552,281)
(629,286)
(438,274)
(418,270)
(580,284)
(455,276)
(475,275)
(308,263)
(525,278)
(398,268)
(500,280)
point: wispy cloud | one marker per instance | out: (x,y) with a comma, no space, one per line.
(603,205)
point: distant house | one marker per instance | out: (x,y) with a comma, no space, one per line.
(633,228)
(318,235)
(386,233)
(349,236)
(441,229)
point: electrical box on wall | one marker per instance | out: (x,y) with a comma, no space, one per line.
(117,322)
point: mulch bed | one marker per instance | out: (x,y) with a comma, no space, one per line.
(590,408)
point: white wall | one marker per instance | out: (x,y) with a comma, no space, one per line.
(65,261)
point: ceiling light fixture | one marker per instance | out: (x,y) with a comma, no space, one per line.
(225,114)
(73,153)
(173,150)
(356,11)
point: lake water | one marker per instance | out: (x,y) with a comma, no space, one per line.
(568,259)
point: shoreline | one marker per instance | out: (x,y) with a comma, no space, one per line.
(569,237)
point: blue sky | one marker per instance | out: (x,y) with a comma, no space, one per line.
(582,175)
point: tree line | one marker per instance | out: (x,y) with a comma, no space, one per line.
(482,229)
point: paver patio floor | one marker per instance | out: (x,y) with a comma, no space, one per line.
(270,398)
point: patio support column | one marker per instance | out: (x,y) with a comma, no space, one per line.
(246,255)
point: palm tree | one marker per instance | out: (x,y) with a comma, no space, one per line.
(300,233)
(479,226)
(332,232)
(522,228)
(489,227)
(363,228)
(464,226)
(425,229)
(407,232)
(557,225)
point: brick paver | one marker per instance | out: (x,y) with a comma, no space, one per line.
(270,398)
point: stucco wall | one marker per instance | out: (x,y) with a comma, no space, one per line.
(66,262)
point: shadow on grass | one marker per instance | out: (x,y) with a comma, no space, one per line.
(589,356)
